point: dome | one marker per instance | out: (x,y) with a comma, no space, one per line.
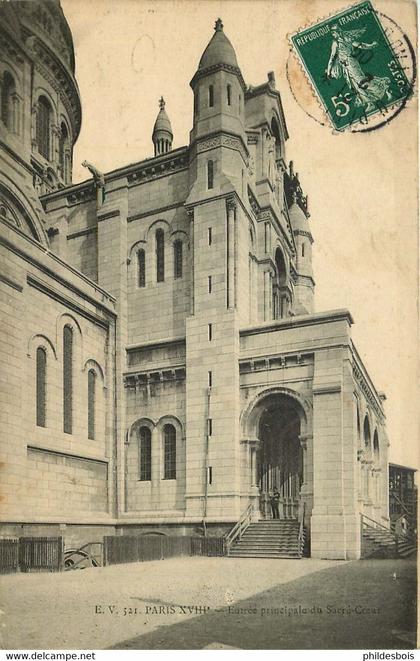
(219,50)
(298,219)
(162,122)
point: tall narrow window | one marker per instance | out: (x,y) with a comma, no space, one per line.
(7,91)
(210,332)
(62,149)
(209,284)
(303,250)
(209,426)
(41,387)
(211,96)
(210,379)
(43,121)
(67,380)
(141,267)
(160,255)
(145,454)
(209,236)
(229,94)
(210,175)
(169,435)
(91,404)
(178,259)
(197,100)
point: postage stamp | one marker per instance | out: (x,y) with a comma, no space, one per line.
(352,66)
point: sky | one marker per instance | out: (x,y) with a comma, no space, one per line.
(362,188)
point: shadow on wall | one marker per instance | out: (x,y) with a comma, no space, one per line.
(358,605)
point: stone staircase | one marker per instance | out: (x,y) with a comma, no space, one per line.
(269,539)
(380,543)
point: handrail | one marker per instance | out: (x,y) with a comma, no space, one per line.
(403,505)
(376,523)
(301,529)
(239,527)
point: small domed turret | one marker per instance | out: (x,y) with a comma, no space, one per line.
(162,131)
(219,89)
(219,50)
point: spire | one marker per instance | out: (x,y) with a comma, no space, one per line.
(218,25)
(162,131)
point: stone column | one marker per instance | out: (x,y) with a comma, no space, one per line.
(267,295)
(34,114)
(190,214)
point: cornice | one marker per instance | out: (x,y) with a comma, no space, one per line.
(201,73)
(221,139)
(51,292)
(299,321)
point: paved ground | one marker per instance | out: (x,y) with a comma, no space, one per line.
(196,603)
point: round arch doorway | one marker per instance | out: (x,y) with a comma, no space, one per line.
(280,457)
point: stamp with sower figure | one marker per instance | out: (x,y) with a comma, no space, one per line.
(355,69)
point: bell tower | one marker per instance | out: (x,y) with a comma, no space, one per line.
(219,240)
(219,89)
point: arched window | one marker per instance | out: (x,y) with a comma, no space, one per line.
(376,444)
(178,259)
(141,267)
(43,127)
(366,433)
(211,96)
(281,268)
(210,175)
(41,387)
(67,380)
(358,422)
(169,437)
(145,449)
(276,134)
(63,146)
(279,284)
(91,404)
(229,94)
(160,255)
(8,89)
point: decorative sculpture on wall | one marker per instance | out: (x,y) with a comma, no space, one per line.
(98,180)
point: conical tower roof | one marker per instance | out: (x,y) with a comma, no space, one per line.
(162,122)
(219,50)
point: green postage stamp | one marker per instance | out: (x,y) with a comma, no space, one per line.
(352,66)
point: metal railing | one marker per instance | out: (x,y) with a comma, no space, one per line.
(301,537)
(399,540)
(239,528)
(367,522)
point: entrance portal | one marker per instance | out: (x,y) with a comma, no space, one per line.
(280,457)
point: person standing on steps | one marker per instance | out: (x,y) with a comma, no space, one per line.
(274,502)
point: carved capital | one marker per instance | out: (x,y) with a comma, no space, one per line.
(303,440)
(231,204)
(190,214)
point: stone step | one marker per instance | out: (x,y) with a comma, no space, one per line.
(265,547)
(279,556)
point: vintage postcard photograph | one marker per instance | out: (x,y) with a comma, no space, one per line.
(209,329)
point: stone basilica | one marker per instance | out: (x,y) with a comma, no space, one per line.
(162,365)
